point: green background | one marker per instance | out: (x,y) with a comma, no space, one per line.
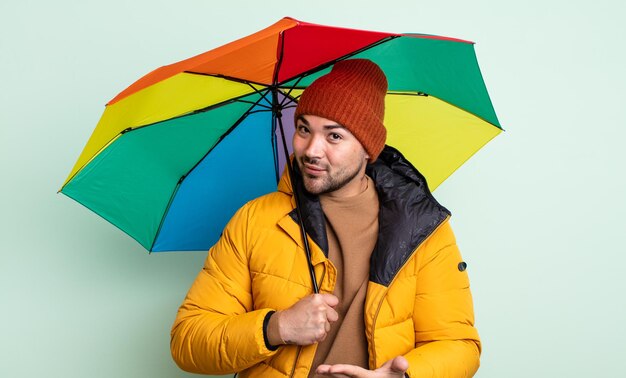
(538,213)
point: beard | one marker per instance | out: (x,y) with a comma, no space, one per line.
(329,181)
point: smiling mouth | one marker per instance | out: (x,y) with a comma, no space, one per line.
(312,170)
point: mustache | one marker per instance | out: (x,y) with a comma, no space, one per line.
(309,160)
(312,161)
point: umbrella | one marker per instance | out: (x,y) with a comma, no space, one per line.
(177,152)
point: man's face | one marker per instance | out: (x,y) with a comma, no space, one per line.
(331,159)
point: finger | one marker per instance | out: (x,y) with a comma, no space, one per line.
(345,370)
(322,369)
(332,315)
(399,364)
(330,299)
(326,370)
(327,327)
(322,338)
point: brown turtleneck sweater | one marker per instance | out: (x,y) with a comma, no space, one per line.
(352,229)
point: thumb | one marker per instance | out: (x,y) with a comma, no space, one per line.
(397,365)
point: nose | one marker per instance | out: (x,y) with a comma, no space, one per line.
(314,147)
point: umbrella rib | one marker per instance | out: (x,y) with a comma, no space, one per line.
(421,94)
(417,93)
(264,96)
(194,112)
(288,94)
(258,111)
(280,53)
(276,106)
(167,209)
(202,110)
(226,77)
(235,124)
(254,103)
(249,83)
(292,100)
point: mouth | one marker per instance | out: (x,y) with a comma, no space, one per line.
(312,170)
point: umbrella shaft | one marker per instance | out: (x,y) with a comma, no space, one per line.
(303,233)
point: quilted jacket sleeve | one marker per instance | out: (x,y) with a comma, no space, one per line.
(447,344)
(217,330)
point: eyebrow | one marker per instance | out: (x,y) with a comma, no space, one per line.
(326,127)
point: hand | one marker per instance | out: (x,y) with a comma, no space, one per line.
(396,367)
(306,322)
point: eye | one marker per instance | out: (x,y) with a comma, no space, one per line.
(302,129)
(335,137)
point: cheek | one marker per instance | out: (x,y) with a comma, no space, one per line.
(360,154)
(347,154)
(297,145)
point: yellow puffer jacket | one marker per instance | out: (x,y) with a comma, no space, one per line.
(418,301)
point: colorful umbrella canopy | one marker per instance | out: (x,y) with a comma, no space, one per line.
(176,153)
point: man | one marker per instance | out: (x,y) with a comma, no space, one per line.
(394,294)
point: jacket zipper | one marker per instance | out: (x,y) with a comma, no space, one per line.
(380,304)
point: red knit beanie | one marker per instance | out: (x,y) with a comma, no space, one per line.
(353,95)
